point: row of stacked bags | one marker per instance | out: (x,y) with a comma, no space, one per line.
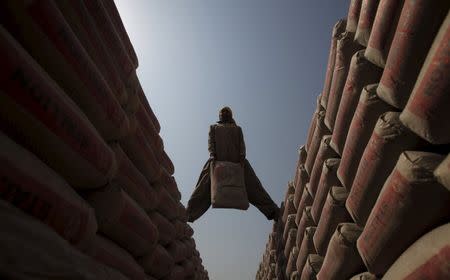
(370,198)
(86,188)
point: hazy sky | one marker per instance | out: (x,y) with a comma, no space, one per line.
(266,60)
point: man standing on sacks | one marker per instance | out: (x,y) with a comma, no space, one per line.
(226,145)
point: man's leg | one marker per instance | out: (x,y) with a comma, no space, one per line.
(201,197)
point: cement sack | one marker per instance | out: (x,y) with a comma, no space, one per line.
(289,207)
(365,22)
(425,204)
(345,49)
(370,107)
(353,15)
(295,276)
(290,190)
(312,267)
(123,221)
(157,262)
(109,35)
(167,163)
(176,251)
(305,222)
(166,229)
(419,22)
(320,131)
(171,186)
(306,248)
(333,214)
(166,204)
(23,241)
(383,30)
(301,161)
(179,229)
(342,259)
(119,27)
(141,154)
(149,110)
(188,266)
(133,182)
(362,72)
(389,139)
(189,232)
(328,179)
(290,242)
(427,108)
(44,29)
(37,114)
(303,179)
(291,267)
(312,126)
(442,173)
(290,224)
(427,258)
(228,186)
(338,29)
(325,152)
(148,128)
(364,276)
(176,273)
(30,185)
(82,25)
(111,255)
(306,200)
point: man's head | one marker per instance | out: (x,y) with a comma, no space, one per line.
(225,114)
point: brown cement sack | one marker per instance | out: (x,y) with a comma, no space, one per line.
(333,214)
(362,72)
(228,186)
(148,128)
(84,28)
(176,251)
(110,35)
(370,107)
(133,182)
(118,25)
(364,276)
(338,29)
(301,161)
(303,179)
(141,154)
(305,221)
(353,15)
(425,204)
(171,186)
(328,179)
(290,242)
(427,258)
(43,30)
(123,221)
(23,241)
(37,114)
(188,267)
(167,163)
(320,131)
(389,139)
(111,255)
(291,267)
(290,224)
(313,123)
(176,273)
(149,110)
(30,185)
(342,259)
(325,152)
(289,207)
(345,49)
(306,248)
(166,229)
(157,262)
(426,112)
(365,22)
(290,190)
(306,200)
(383,30)
(295,276)
(312,267)
(419,22)
(166,204)
(442,173)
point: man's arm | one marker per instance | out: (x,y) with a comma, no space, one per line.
(212,142)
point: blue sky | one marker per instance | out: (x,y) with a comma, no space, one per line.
(266,60)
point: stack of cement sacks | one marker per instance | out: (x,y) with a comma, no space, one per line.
(86,188)
(371,193)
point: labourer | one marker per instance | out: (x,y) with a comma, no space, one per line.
(226,143)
